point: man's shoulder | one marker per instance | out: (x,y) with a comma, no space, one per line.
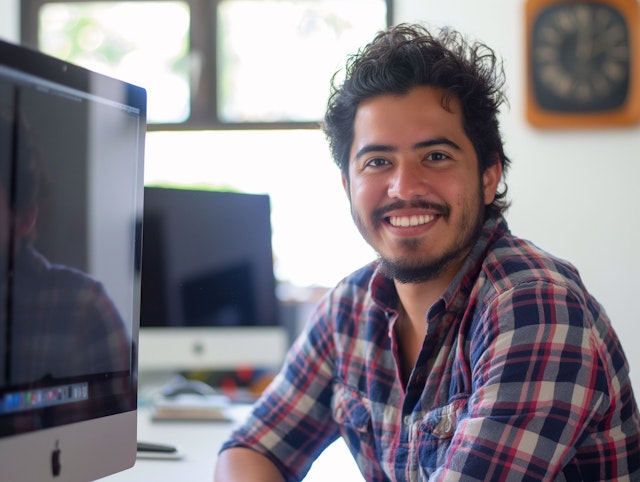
(362,276)
(511,260)
(363,287)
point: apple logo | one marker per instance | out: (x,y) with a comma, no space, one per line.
(55,460)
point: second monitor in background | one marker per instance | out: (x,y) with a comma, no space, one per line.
(208,296)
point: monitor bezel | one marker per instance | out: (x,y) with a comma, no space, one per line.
(80,446)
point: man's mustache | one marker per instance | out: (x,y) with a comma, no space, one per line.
(381,213)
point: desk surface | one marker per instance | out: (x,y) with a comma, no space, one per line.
(200,441)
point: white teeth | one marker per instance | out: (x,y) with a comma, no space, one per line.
(406,221)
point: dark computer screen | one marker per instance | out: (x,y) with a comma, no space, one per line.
(71,171)
(206,259)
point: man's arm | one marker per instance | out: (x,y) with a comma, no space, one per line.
(239,464)
(543,385)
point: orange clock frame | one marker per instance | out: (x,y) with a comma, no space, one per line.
(626,114)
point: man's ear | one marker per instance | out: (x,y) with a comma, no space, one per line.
(490,180)
(345,186)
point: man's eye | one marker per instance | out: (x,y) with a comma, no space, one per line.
(437,156)
(376,162)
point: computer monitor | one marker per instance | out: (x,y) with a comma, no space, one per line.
(71,160)
(208,286)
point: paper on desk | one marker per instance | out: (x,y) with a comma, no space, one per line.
(192,407)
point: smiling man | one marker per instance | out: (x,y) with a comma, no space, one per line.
(462,352)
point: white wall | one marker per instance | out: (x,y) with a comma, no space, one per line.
(574,193)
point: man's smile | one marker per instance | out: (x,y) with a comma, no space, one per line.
(410,221)
(410,215)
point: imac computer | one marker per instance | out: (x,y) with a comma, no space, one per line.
(208,297)
(71,161)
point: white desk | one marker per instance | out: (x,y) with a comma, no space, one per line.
(200,442)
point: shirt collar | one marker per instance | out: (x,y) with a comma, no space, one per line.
(456,296)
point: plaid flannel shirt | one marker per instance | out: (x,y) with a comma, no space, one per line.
(521,378)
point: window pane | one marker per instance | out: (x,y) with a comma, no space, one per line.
(276,57)
(117,39)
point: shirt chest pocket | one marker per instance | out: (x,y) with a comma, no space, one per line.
(434,434)
(441,422)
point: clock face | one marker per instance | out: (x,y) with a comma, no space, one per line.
(580,58)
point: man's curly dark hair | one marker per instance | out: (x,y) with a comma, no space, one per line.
(408,56)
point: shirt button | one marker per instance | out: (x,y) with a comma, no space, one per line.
(407,420)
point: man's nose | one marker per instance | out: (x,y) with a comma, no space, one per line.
(408,180)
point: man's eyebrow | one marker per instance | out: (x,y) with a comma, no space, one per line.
(374,148)
(437,141)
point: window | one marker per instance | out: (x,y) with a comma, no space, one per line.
(236,89)
(109,38)
(212,64)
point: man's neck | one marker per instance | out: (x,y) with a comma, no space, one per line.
(417,298)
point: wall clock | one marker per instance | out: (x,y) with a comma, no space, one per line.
(582,63)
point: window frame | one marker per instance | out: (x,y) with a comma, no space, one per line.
(202,42)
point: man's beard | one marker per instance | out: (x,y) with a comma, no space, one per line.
(406,269)
(419,271)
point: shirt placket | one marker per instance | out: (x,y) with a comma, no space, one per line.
(413,409)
